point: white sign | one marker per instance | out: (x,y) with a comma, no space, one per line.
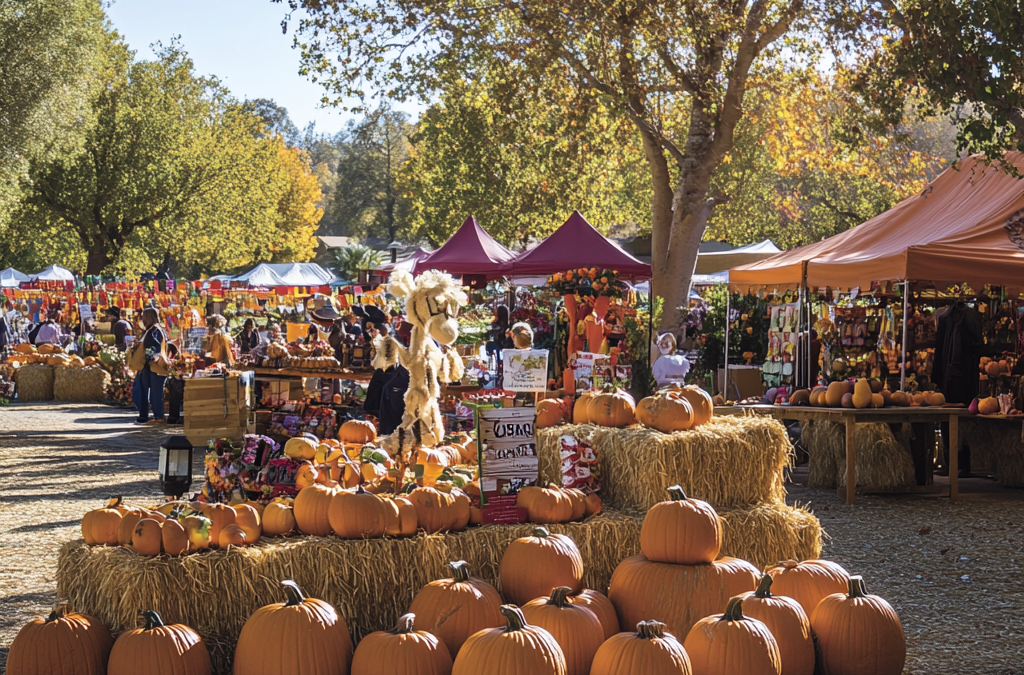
(85,311)
(525,369)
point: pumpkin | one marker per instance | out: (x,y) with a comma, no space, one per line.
(549,413)
(637,590)
(730,643)
(681,531)
(817,396)
(518,648)
(463,507)
(301,634)
(576,629)
(986,406)
(157,648)
(41,646)
(666,413)
(399,517)
(300,448)
(307,475)
(788,625)
(278,520)
(430,464)
(700,402)
(197,527)
(858,634)
(232,535)
(357,515)
(126,528)
(612,408)
(173,538)
(593,504)
(147,537)
(248,518)
(435,511)
(650,651)
(861,394)
(581,408)
(357,431)
(99,526)
(808,582)
(453,609)
(601,606)
(545,505)
(311,509)
(533,565)
(834,393)
(403,651)
(220,515)
(578,501)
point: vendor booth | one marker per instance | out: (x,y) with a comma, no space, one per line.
(470,253)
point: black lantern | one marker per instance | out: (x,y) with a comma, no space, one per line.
(175,466)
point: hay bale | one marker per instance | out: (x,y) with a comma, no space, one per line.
(883,461)
(80,384)
(996,446)
(35,382)
(768,533)
(729,462)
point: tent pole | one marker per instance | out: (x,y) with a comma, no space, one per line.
(903,350)
(728,310)
(810,326)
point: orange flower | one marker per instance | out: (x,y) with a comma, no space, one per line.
(604,280)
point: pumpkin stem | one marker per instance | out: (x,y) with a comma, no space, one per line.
(59,611)
(294,593)
(764,589)
(114,502)
(405,623)
(459,570)
(734,612)
(360,490)
(650,630)
(514,619)
(677,493)
(540,532)
(560,596)
(153,619)
(856,587)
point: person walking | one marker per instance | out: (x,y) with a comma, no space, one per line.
(148,388)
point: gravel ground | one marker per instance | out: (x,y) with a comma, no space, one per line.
(954,572)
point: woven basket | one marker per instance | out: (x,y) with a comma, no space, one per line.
(80,384)
(35,382)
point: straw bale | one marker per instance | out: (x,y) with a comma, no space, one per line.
(80,384)
(34,382)
(996,446)
(728,462)
(883,461)
(768,533)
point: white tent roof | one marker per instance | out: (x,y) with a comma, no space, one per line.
(53,273)
(286,274)
(12,278)
(719,261)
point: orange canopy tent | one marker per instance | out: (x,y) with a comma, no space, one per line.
(961,228)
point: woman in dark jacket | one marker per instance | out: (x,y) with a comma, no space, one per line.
(248,339)
(148,388)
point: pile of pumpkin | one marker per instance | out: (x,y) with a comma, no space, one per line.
(556,504)
(49,355)
(862,393)
(674,408)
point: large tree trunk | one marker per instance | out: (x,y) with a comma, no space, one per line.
(98,258)
(661,214)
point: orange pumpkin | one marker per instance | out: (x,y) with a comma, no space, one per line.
(665,412)
(435,511)
(601,606)
(549,413)
(311,509)
(306,475)
(248,518)
(174,538)
(730,643)
(357,514)
(858,633)
(581,408)
(453,609)
(220,515)
(788,625)
(808,582)
(99,526)
(147,537)
(357,431)
(232,535)
(533,565)
(545,505)
(517,648)
(593,504)
(278,520)
(578,501)
(126,528)
(402,651)
(700,402)
(157,648)
(650,651)
(612,408)
(301,448)
(681,531)
(40,647)
(575,628)
(400,517)
(463,510)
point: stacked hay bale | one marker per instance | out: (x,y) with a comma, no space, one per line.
(997,446)
(884,461)
(35,382)
(87,383)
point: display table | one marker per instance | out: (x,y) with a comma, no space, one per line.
(298,373)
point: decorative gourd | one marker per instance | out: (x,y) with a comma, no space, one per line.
(300,448)
(650,651)
(788,624)
(220,515)
(400,518)
(637,590)
(934,398)
(157,648)
(303,629)
(808,582)
(681,531)
(197,527)
(549,413)
(232,535)
(862,394)
(435,511)
(311,509)
(39,647)
(453,609)
(581,408)
(858,634)
(986,406)
(834,394)
(147,538)
(306,475)
(532,566)
(700,401)
(730,643)
(576,629)
(518,648)
(601,606)
(817,394)
(666,412)
(403,651)
(357,515)
(433,464)
(545,505)
(357,431)
(248,518)
(99,526)
(612,408)
(278,520)
(174,538)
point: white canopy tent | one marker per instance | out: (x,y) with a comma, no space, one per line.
(53,273)
(720,261)
(12,278)
(286,274)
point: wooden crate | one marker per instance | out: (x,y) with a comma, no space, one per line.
(215,408)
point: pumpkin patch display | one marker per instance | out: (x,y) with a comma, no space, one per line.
(533,565)
(456,608)
(157,648)
(278,636)
(612,408)
(681,531)
(435,511)
(788,624)
(730,643)
(858,634)
(575,628)
(516,649)
(650,651)
(99,526)
(601,606)
(808,582)
(40,646)
(357,514)
(402,651)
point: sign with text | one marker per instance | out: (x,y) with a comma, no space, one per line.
(524,369)
(510,460)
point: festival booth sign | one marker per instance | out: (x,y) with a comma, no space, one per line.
(471,253)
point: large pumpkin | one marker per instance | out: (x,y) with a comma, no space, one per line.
(576,629)
(99,526)
(311,509)
(578,501)
(666,412)
(278,519)
(147,538)
(858,634)
(357,431)
(403,651)
(248,518)
(638,586)
(400,518)
(788,625)
(808,582)
(730,643)
(682,531)
(455,608)
(700,401)
(549,413)
(157,648)
(545,505)
(601,606)
(516,649)
(435,511)
(650,651)
(174,539)
(300,448)
(41,647)
(533,565)
(220,515)
(612,408)
(581,408)
(357,515)
(301,635)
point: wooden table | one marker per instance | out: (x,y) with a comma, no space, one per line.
(850,417)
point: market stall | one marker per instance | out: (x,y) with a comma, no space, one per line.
(470,253)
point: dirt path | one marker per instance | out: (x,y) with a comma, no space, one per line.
(953,571)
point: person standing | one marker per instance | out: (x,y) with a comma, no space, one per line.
(148,388)
(219,341)
(121,328)
(248,338)
(6,335)
(47,332)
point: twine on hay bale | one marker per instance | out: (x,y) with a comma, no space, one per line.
(80,384)
(996,446)
(729,462)
(34,382)
(883,461)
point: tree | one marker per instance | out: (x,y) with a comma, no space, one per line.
(274,117)
(678,70)
(347,262)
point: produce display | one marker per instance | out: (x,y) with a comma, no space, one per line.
(860,393)
(317,356)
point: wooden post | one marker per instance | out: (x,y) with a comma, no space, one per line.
(953,452)
(851,459)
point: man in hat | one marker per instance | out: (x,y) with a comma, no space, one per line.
(121,328)
(329,318)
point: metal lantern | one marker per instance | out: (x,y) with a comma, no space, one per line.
(175,466)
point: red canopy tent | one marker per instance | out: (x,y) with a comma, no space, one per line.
(577,244)
(470,251)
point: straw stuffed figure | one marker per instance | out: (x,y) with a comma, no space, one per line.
(432,303)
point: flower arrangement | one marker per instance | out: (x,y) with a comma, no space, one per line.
(591,282)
